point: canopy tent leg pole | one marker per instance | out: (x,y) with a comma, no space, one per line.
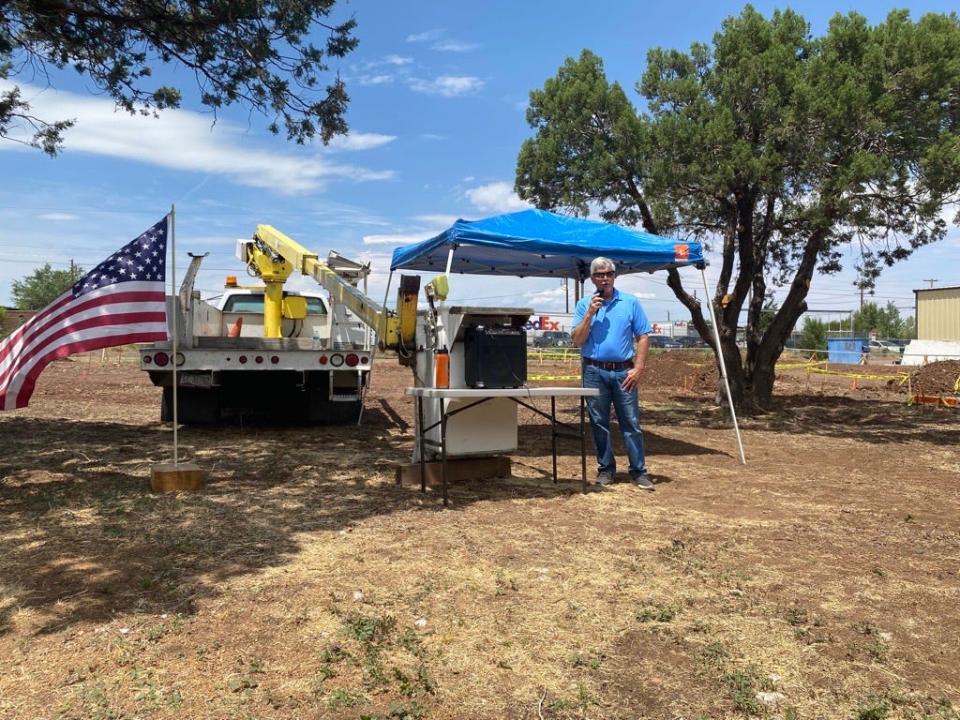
(723,364)
(373,352)
(449,260)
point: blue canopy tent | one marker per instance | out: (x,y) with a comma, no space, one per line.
(537,243)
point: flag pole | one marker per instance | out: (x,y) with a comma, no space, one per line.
(173,293)
(186,476)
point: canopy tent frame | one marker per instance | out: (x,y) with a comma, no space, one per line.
(554,240)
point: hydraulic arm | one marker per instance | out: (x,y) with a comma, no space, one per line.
(274,256)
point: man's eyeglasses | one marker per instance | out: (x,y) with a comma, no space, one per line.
(608,274)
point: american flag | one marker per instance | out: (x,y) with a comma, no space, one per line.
(120,301)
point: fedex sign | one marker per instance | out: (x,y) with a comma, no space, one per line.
(542,323)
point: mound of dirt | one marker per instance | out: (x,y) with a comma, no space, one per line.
(937,378)
(706,379)
(680,369)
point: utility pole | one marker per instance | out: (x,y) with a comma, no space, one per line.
(931,281)
(566,293)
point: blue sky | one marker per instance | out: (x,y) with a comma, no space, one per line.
(438,92)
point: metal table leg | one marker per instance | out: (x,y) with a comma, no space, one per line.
(583,447)
(553,433)
(443,448)
(420,434)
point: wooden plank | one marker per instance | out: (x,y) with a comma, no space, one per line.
(186,477)
(945,400)
(479,468)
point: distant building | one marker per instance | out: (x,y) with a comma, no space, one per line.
(938,313)
(14,318)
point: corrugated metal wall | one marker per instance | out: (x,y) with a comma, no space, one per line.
(938,314)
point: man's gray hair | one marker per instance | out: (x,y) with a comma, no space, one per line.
(602,262)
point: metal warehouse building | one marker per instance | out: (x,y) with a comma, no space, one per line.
(938,313)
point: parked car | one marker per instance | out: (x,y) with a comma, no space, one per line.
(691,341)
(885,346)
(662,341)
(553,338)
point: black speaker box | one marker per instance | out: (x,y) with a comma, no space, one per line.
(495,357)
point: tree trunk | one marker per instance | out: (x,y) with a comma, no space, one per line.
(761,386)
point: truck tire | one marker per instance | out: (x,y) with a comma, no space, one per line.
(166,405)
(194,406)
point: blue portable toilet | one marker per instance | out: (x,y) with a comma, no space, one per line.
(846,350)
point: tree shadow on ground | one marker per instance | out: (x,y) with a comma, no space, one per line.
(85,539)
(535,441)
(873,421)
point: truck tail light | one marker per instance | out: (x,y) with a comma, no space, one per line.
(161,359)
(352,360)
(336,360)
(322,360)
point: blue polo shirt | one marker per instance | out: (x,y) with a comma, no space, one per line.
(614,328)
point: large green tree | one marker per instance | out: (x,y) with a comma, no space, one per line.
(778,148)
(255,53)
(885,321)
(42,286)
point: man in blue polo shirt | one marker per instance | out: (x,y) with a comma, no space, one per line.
(611,329)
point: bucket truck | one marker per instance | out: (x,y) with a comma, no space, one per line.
(300,357)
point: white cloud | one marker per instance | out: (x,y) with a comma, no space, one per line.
(408,239)
(454,46)
(447,85)
(184,140)
(440,220)
(360,141)
(59,217)
(425,36)
(496,197)
(548,297)
(369,80)
(432,136)
(397,60)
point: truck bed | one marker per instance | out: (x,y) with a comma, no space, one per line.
(253,343)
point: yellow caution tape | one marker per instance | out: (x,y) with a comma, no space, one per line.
(901,376)
(553,377)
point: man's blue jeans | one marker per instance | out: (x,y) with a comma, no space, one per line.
(609,383)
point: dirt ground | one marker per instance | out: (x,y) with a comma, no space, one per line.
(820,580)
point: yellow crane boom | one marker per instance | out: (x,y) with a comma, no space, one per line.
(275,255)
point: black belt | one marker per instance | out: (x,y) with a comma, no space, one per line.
(609,364)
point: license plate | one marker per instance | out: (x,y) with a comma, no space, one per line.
(203,381)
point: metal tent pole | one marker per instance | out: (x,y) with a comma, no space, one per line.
(723,364)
